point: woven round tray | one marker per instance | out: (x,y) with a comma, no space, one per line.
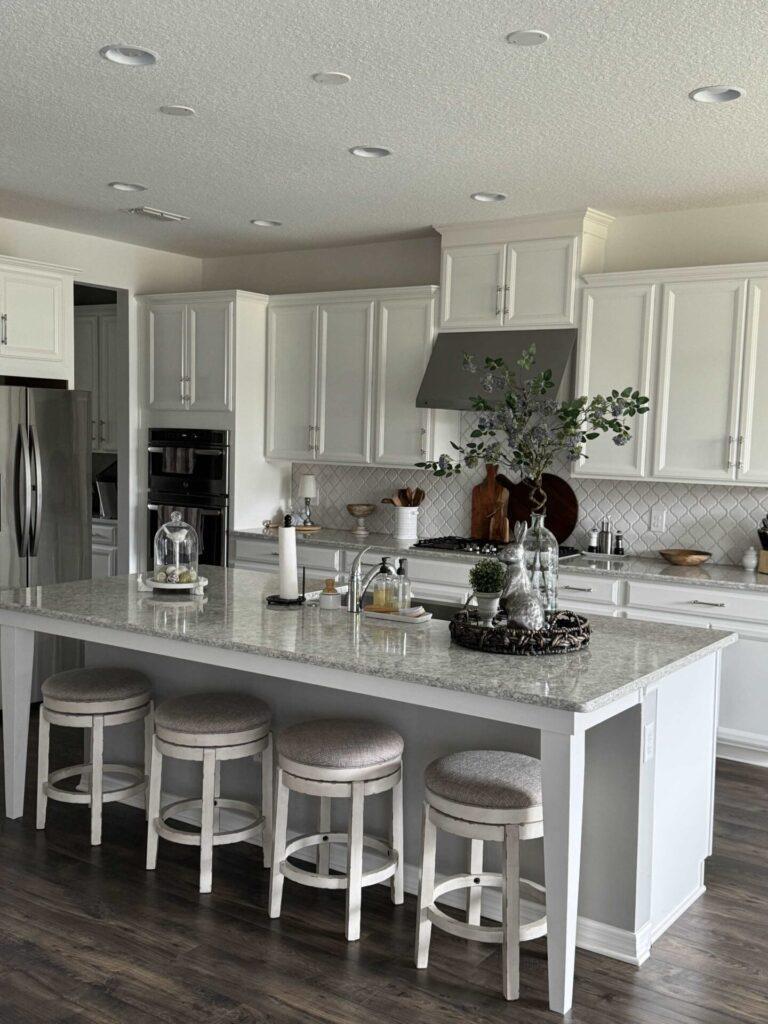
(567,632)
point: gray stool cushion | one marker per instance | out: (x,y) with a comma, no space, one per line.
(214,713)
(494,779)
(97,685)
(340,743)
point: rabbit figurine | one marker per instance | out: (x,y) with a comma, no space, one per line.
(522,606)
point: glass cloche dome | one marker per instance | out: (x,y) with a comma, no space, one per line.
(176,549)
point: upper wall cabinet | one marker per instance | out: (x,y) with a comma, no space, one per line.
(343,373)
(96,370)
(36,328)
(752,459)
(517,273)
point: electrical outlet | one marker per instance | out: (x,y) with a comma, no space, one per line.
(658,518)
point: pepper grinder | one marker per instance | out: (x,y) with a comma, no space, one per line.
(605,537)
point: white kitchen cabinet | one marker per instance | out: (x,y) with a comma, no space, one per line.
(189,352)
(473,285)
(697,398)
(752,450)
(344,381)
(96,370)
(36,332)
(614,350)
(291,381)
(103,548)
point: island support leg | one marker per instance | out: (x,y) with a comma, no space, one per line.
(562,771)
(17,648)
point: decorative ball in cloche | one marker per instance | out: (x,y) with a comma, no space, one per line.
(176,552)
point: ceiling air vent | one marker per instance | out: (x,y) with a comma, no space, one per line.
(150,211)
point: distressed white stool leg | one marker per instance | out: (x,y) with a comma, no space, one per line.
(355,862)
(216,796)
(426,888)
(43,745)
(396,842)
(475,892)
(97,777)
(278,846)
(324,826)
(267,783)
(206,820)
(511,913)
(155,789)
(149,734)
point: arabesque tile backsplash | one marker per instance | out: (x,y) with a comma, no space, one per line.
(719,519)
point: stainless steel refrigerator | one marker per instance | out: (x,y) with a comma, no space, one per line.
(45,497)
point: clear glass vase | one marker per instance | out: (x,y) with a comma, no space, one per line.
(541,554)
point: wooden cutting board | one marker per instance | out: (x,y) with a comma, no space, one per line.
(490,520)
(562,504)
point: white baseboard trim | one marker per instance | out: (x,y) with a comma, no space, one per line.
(747,747)
(594,936)
(678,911)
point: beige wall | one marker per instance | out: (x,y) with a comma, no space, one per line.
(682,238)
(377,265)
(101,260)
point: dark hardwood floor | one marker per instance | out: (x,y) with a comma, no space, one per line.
(86,935)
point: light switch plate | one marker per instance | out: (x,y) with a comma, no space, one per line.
(658,517)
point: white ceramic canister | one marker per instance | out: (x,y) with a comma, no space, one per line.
(407,522)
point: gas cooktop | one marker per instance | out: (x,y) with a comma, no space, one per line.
(470,546)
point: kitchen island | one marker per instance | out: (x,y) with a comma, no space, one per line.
(632,719)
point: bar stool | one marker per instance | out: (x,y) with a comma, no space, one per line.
(331,759)
(211,728)
(95,699)
(482,795)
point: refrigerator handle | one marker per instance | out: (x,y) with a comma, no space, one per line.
(22,516)
(34,444)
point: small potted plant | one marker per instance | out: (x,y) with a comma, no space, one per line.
(486,578)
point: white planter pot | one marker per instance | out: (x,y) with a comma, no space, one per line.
(487,606)
(407,523)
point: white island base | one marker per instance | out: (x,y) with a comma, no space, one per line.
(625,730)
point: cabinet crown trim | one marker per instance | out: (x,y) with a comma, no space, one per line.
(17,263)
(352,294)
(672,275)
(528,227)
(202,296)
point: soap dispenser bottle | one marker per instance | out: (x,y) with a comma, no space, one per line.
(403,585)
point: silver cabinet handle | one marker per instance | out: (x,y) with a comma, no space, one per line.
(317,446)
(506,300)
(731,442)
(181,389)
(709,604)
(4,332)
(102,430)
(739,443)
(499,290)
(581,590)
(310,445)
(424,436)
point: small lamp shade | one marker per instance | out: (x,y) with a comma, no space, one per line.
(307,486)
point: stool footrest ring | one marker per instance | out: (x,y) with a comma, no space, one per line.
(221,837)
(68,796)
(304,877)
(480,932)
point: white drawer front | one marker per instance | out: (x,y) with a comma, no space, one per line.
(701,602)
(587,590)
(101,534)
(252,549)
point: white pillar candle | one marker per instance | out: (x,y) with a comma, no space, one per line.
(289,578)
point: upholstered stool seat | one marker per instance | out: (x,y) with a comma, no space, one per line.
(339,758)
(481,795)
(92,698)
(210,727)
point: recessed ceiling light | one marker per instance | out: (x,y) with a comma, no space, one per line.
(133,56)
(489,197)
(716,93)
(330,78)
(528,37)
(371,152)
(177,110)
(267,223)
(151,211)
(127,186)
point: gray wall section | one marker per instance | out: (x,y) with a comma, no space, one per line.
(611,794)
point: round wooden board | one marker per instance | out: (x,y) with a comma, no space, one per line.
(562,505)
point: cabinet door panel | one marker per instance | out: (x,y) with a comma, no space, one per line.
(109,385)
(614,350)
(167,362)
(33,305)
(345,363)
(702,330)
(473,285)
(292,355)
(753,433)
(404,341)
(541,282)
(103,562)
(210,329)
(87,365)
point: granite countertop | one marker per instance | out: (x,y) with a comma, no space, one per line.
(649,569)
(623,655)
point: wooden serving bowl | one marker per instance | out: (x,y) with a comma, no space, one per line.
(683,556)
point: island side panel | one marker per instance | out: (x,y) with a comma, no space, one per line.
(17,649)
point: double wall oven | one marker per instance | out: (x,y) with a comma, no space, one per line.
(188,472)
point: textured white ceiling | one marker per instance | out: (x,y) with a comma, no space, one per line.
(599,116)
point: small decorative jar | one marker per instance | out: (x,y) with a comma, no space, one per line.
(541,554)
(750,559)
(176,552)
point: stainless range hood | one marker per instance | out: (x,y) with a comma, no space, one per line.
(446,385)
